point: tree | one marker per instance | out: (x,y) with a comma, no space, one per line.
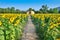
(37,12)
(23,12)
(31,9)
(55,10)
(44,8)
(1,10)
(12,10)
(17,11)
(59,11)
(50,10)
(8,10)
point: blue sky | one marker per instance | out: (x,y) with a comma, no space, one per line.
(25,4)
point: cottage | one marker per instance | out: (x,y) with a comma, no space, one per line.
(30,12)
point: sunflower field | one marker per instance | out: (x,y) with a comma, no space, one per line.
(47,26)
(11,26)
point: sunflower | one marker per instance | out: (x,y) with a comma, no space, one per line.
(53,25)
(43,18)
(17,22)
(0,23)
(58,18)
(12,19)
(58,39)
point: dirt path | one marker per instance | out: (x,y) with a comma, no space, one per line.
(29,31)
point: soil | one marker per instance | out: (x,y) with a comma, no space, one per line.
(29,31)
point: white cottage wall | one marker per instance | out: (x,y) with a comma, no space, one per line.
(32,12)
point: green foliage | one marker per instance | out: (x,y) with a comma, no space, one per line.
(50,10)
(44,9)
(43,32)
(9,10)
(55,10)
(10,32)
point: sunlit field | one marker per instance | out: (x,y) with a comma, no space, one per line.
(47,26)
(11,26)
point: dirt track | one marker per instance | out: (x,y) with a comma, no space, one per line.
(29,31)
